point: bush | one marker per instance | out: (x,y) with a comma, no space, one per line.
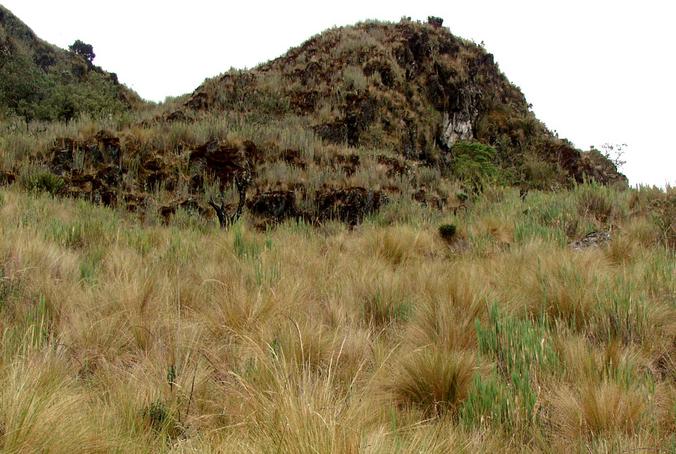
(42,180)
(473,163)
(447,231)
(83,49)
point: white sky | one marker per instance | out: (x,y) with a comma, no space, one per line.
(596,71)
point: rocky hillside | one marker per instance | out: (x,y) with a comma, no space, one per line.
(353,119)
(410,87)
(39,81)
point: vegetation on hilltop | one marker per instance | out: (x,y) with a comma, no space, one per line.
(39,81)
(355,118)
(409,87)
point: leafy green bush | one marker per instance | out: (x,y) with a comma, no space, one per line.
(473,162)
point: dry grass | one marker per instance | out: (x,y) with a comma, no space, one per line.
(383,338)
(597,411)
(434,380)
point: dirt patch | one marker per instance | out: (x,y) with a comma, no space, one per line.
(223,160)
(349,205)
(395,167)
(190,204)
(274,206)
(348,163)
(6,178)
(293,158)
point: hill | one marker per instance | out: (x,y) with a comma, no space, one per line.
(354,118)
(39,81)
(410,87)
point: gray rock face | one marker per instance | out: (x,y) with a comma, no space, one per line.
(456,127)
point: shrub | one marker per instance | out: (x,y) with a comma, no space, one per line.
(473,163)
(83,49)
(541,174)
(42,180)
(435,21)
(447,231)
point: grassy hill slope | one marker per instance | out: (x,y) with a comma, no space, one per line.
(39,81)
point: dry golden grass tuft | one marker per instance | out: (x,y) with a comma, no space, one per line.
(433,380)
(604,410)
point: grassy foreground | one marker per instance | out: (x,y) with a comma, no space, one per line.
(122,337)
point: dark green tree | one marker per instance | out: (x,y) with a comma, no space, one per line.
(83,49)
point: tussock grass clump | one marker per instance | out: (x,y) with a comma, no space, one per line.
(398,244)
(434,380)
(585,363)
(385,298)
(565,288)
(594,202)
(597,411)
(450,304)
(36,395)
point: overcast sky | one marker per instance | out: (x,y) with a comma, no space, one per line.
(596,71)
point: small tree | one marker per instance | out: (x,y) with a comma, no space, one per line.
(614,153)
(83,49)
